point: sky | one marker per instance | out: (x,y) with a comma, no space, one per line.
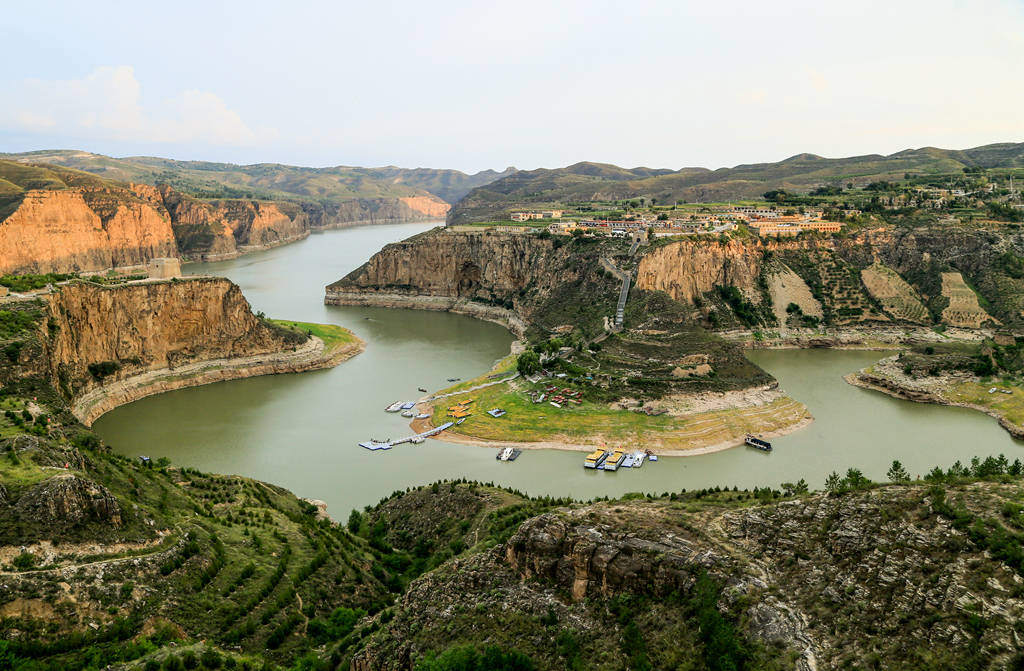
(476,85)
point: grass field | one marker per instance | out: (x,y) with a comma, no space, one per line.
(1010,406)
(333,336)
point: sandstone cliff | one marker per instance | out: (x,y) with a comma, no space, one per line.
(59,220)
(210,230)
(360,211)
(105,346)
(492,275)
(68,231)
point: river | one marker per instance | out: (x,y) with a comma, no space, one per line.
(300,431)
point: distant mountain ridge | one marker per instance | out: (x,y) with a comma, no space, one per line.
(598,181)
(271,181)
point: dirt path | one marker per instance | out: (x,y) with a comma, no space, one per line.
(98,562)
(427,399)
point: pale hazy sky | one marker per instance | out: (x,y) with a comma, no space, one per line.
(474,85)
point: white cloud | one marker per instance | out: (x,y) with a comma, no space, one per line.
(107,105)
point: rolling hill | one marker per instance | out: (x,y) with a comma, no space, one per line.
(803,172)
(270,181)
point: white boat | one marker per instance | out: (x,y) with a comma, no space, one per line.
(627,462)
(417,440)
(394,407)
(554,404)
(422,415)
(505,454)
(652,457)
(638,459)
(408,413)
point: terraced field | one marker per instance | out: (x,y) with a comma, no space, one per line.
(963,309)
(897,297)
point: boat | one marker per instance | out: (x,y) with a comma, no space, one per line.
(417,440)
(421,389)
(463,419)
(638,459)
(408,413)
(554,404)
(423,415)
(758,443)
(652,457)
(505,454)
(394,407)
(374,445)
(627,461)
(595,459)
(408,405)
(612,462)
(454,379)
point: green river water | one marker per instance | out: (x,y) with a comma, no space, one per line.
(300,431)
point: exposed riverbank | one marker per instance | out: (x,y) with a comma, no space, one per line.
(1006,404)
(460,306)
(314,354)
(874,337)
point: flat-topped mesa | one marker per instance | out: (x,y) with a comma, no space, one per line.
(106,346)
(491,275)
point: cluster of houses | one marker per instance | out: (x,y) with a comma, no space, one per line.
(765,221)
(529,216)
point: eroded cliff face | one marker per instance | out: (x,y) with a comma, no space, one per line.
(374,211)
(491,269)
(97,335)
(60,231)
(688,269)
(209,230)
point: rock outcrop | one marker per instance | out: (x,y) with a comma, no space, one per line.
(68,500)
(824,582)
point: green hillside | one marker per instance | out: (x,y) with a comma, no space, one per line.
(801,173)
(270,180)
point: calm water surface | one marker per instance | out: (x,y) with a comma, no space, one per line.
(300,431)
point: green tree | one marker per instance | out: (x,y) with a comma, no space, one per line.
(355,519)
(528,363)
(833,483)
(897,473)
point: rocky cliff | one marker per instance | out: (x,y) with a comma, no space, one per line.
(217,229)
(105,346)
(819,582)
(59,220)
(374,211)
(479,273)
(84,229)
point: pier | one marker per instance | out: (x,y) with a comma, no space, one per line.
(415,438)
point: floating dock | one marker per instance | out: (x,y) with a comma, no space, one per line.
(415,438)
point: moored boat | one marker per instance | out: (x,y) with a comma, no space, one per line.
(759,443)
(394,407)
(612,462)
(595,459)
